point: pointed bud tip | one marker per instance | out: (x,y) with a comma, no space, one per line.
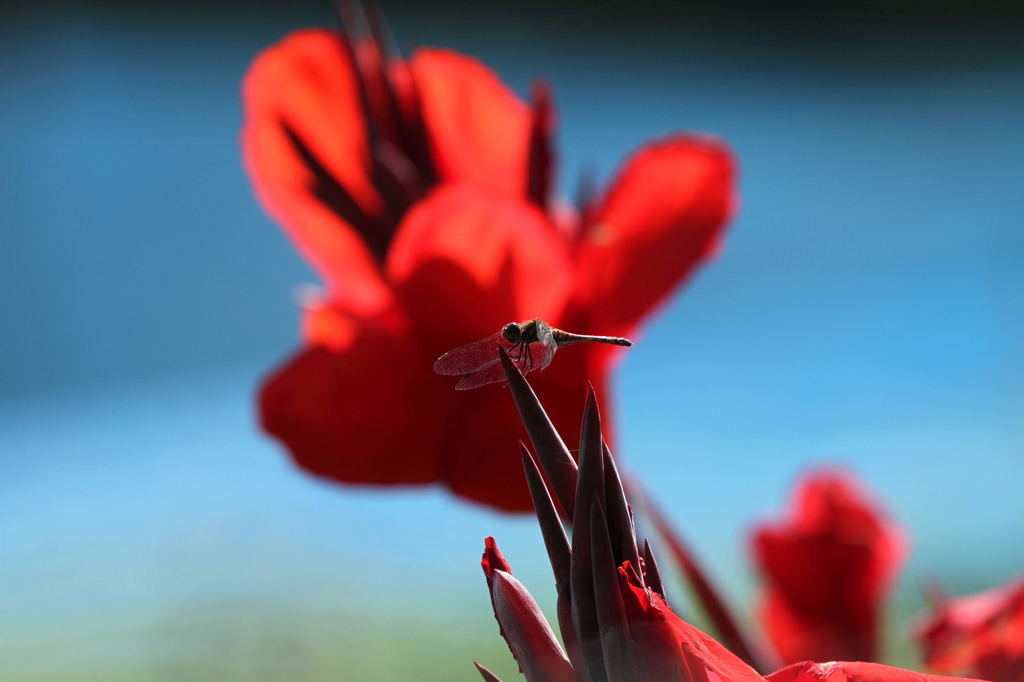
(493,560)
(592,408)
(485,673)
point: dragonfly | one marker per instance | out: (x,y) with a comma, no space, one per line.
(530,345)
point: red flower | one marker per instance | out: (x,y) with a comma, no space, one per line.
(419,191)
(828,570)
(612,612)
(981,635)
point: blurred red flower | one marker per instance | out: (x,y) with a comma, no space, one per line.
(828,569)
(419,190)
(981,635)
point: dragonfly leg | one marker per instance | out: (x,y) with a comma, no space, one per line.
(510,348)
(516,351)
(529,359)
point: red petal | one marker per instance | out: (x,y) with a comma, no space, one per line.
(660,219)
(357,415)
(479,130)
(828,570)
(531,639)
(667,642)
(465,262)
(842,671)
(306,86)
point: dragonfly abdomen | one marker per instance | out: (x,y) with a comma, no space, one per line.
(566,339)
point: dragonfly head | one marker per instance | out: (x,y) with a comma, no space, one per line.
(512,332)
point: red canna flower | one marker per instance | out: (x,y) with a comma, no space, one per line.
(981,635)
(614,620)
(828,569)
(420,191)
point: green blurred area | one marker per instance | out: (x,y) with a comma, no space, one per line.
(235,642)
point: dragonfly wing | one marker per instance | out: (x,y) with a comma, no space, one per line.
(489,374)
(493,372)
(549,354)
(469,358)
(545,347)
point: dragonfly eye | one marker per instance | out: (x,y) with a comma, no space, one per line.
(512,332)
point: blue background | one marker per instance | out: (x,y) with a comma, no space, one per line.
(867,310)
